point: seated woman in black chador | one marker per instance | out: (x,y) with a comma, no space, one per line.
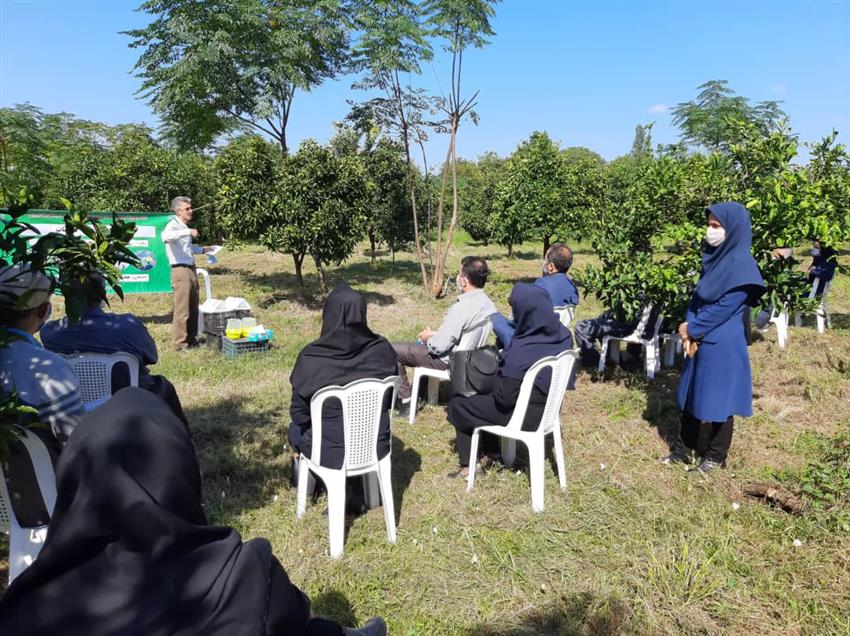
(347,350)
(129,551)
(539,333)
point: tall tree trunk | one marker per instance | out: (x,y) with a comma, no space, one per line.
(299,276)
(320,271)
(546,244)
(372,245)
(453,223)
(510,249)
(442,255)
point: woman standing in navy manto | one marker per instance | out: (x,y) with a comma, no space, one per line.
(716,381)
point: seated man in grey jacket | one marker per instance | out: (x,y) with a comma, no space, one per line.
(472,309)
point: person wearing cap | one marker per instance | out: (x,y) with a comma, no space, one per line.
(180,250)
(42,379)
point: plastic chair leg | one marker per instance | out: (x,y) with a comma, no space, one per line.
(535,469)
(508,451)
(473,460)
(335,483)
(603,355)
(386,485)
(669,353)
(414,397)
(651,356)
(301,493)
(372,490)
(433,390)
(559,457)
(822,317)
(798,319)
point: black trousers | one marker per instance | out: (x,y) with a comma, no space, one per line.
(709,440)
(589,332)
(413,354)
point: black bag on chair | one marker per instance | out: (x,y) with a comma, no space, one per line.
(474,371)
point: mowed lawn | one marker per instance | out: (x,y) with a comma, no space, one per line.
(631,547)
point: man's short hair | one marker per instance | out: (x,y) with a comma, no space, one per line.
(176,202)
(561,256)
(475,270)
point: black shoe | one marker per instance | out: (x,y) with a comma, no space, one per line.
(675,458)
(403,408)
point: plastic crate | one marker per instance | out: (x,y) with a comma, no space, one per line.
(217,323)
(235,348)
(214,340)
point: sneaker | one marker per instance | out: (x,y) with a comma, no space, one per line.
(707,465)
(674,458)
(373,627)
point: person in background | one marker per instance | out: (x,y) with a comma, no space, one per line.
(129,550)
(472,309)
(539,333)
(347,350)
(716,382)
(824,262)
(178,238)
(590,331)
(101,332)
(762,320)
(555,281)
(42,379)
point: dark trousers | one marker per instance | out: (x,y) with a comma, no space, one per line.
(413,354)
(709,440)
(589,332)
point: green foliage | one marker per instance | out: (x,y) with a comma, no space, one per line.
(479,194)
(246,174)
(211,67)
(642,143)
(711,120)
(386,210)
(315,209)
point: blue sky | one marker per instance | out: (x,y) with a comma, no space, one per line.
(586,72)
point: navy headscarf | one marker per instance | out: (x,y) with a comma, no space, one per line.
(539,333)
(730,265)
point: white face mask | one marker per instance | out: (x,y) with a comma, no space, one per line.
(457,282)
(815,251)
(714,236)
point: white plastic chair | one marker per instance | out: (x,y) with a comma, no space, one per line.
(470,340)
(566,313)
(822,311)
(780,319)
(25,542)
(202,273)
(653,362)
(562,367)
(94,371)
(362,406)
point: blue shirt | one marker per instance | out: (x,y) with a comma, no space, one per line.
(560,287)
(44,381)
(102,332)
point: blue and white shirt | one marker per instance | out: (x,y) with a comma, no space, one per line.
(44,381)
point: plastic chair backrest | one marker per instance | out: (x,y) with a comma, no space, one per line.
(94,371)
(566,314)
(815,284)
(475,338)
(362,406)
(562,368)
(644,320)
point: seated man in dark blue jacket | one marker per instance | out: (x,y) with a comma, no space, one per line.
(101,332)
(555,280)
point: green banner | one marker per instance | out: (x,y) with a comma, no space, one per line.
(153,275)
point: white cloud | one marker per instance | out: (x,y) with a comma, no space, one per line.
(659,108)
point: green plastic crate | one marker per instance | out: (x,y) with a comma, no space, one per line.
(235,348)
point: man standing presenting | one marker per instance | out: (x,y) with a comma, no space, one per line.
(177,237)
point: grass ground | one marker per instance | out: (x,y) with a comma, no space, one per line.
(632,547)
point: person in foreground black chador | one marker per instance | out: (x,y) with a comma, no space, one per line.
(129,550)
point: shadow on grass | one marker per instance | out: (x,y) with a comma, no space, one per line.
(579,614)
(405,464)
(840,321)
(240,453)
(160,319)
(334,606)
